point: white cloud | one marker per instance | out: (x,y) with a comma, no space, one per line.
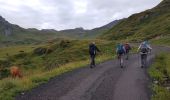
(80,6)
(63,14)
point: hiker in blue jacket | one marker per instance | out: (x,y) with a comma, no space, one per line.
(120,51)
(93,51)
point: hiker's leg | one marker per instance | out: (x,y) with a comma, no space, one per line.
(121,60)
(127,55)
(94,60)
(91,60)
(145,60)
(142,60)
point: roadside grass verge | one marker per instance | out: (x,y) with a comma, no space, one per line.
(9,87)
(160,74)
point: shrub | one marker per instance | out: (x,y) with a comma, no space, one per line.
(4,73)
(42,51)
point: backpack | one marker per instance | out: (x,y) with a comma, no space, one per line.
(92,49)
(144,49)
(120,49)
(127,47)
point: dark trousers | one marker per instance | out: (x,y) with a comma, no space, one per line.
(92,58)
(144,60)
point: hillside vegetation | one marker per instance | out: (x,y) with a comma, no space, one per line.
(145,25)
(160,73)
(40,63)
(50,55)
(163,40)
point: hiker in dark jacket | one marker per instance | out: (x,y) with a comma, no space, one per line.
(92,51)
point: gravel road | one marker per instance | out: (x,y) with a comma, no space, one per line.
(107,81)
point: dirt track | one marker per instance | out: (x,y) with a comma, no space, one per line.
(105,82)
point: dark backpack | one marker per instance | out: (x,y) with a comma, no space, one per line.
(127,47)
(92,49)
(144,50)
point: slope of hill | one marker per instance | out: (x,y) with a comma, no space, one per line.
(145,25)
(98,31)
(81,33)
(14,34)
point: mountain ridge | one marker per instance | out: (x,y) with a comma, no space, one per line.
(14,33)
(145,25)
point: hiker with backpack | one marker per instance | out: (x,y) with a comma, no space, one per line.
(144,49)
(93,51)
(127,48)
(120,51)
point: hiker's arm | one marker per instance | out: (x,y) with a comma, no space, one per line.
(97,49)
(116,50)
(149,47)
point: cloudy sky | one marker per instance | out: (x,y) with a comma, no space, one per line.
(64,14)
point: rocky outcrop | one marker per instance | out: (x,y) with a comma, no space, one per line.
(42,50)
(5,27)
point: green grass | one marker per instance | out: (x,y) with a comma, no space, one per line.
(164,41)
(161,93)
(63,51)
(10,87)
(38,69)
(158,71)
(13,50)
(145,25)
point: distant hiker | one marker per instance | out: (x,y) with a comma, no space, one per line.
(127,48)
(15,72)
(143,49)
(120,51)
(93,51)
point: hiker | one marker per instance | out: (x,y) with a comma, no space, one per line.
(144,49)
(147,43)
(120,51)
(93,51)
(127,48)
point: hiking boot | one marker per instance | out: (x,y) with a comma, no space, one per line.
(121,66)
(142,66)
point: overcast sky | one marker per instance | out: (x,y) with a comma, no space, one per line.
(64,14)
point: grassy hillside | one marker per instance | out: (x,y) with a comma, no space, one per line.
(38,66)
(145,25)
(50,55)
(162,40)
